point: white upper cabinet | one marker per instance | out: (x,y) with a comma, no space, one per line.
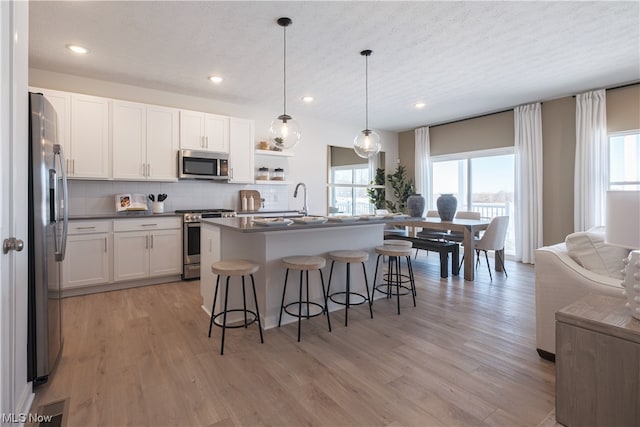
(89,153)
(241,150)
(145,141)
(163,135)
(129,132)
(204,131)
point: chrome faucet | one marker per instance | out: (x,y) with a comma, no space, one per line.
(305,207)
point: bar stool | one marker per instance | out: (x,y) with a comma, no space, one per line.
(348,257)
(234,268)
(304,264)
(404,244)
(394,276)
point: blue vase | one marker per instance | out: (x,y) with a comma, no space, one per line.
(447,205)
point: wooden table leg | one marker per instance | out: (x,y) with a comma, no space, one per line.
(469,245)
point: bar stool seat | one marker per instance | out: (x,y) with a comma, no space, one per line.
(348,257)
(236,267)
(304,264)
(228,269)
(396,242)
(394,277)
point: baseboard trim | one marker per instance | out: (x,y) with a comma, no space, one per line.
(546,355)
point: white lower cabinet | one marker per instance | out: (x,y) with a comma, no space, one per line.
(88,258)
(209,253)
(146,248)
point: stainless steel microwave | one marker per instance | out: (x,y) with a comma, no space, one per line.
(203,165)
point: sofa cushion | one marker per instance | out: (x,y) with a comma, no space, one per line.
(588,249)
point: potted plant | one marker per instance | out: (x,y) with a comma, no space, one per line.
(377,194)
(402,189)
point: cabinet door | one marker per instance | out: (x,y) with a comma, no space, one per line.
(87,261)
(191,130)
(162,143)
(130,255)
(61,102)
(89,136)
(216,133)
(241,150)
(165,252)
(128,125)
(209,253)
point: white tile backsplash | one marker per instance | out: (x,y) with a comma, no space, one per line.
(97,197)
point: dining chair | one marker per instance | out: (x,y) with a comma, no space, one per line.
(493,240)
(430,234)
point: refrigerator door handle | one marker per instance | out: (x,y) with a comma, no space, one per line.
(57,151)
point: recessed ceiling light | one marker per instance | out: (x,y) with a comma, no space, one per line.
(420,104)
(307,98)
(77,49)
(215,79)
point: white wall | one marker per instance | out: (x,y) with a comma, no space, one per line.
(309,164)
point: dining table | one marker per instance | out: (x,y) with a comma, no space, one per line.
(467,226)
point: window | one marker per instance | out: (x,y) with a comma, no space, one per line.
(624,161)
(482,181)
(348,191)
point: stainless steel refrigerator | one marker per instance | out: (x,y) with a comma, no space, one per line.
(48,221)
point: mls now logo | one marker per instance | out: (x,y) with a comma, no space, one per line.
(25,418)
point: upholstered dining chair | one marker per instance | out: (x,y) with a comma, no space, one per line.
(493,240)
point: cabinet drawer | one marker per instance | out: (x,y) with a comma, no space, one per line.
(147,224)
(87,227)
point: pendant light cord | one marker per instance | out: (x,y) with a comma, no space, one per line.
(366,92)
(284,72)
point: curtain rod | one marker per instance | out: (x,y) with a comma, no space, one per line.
(511,109)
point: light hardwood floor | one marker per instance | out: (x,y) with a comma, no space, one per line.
(464,356)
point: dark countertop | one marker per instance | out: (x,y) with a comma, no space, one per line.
(246,224)
(126,215)
(264,212)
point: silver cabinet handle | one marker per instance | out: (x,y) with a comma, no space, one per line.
(105,245)
(152,241)
(149,225)
(146,242)
(73,164)
(207,139)
(85,228)
(148,169)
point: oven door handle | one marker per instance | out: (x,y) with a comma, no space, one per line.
(192,224)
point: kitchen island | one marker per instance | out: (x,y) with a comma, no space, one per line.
(232,238)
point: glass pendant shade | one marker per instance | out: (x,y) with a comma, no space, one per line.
(367,144)
(284,132)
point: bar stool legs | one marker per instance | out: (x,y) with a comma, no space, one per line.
(304,264)
(228,269)
(349,257)
(394,276)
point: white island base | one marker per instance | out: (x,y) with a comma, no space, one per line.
(222,239)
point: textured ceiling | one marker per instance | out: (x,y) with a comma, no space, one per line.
(460,58)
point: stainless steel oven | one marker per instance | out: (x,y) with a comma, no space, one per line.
(191,238)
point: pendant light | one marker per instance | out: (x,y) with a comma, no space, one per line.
(367,143)
(284,130)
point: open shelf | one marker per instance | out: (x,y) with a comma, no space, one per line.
(273,153)
(270,182)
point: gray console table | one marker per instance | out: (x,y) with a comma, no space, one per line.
(597,363)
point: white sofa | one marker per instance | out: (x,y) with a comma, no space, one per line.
(565,272)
